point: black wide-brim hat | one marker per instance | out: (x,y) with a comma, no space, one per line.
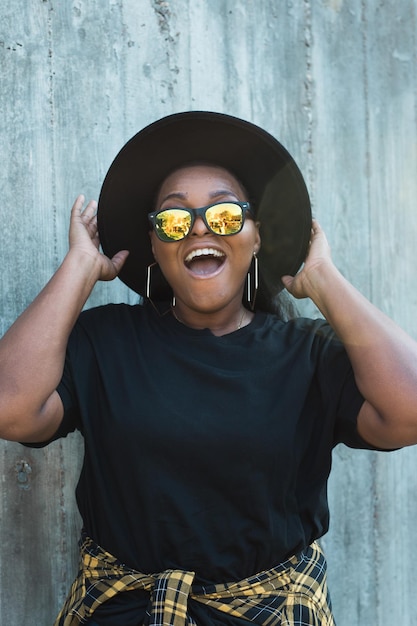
(275,185)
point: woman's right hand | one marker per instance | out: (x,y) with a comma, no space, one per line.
(84,240)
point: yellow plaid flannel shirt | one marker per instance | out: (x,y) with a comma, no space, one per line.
(293,593)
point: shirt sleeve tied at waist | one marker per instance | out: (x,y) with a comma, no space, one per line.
(294,590)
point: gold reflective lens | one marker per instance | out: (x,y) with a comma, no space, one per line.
(225,218)
(173,224)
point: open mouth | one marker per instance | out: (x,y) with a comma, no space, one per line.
(204,261)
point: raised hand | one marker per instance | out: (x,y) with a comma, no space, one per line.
(302,285)
(84,240)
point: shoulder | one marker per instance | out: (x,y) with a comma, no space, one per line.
(301,329)
(109,314)
(302,340)
(110,322)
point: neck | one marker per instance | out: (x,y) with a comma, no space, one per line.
(219,322)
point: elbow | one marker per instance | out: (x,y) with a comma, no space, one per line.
(394,429)
(19,419)
(13,424)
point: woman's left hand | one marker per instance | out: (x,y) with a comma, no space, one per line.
(383,356)
(302,284)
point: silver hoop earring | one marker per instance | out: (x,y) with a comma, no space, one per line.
(156,284)
(252,282)
(149,280)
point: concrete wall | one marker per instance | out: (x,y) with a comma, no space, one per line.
(336,82)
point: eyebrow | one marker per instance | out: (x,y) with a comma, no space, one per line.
(179,195)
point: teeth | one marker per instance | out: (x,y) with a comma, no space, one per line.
(203,252)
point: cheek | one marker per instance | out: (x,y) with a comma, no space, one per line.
(160,250)
(252,240)
(165,254)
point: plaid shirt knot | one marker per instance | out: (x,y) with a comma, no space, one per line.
(169,598)
(293,593)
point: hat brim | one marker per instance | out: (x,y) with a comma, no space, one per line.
(274,182)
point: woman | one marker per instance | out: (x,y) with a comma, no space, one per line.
(208,419)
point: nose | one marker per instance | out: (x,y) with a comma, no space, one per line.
(199,228)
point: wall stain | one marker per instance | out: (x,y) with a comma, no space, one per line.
(163,13)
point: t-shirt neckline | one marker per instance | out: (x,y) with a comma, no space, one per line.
(179,327)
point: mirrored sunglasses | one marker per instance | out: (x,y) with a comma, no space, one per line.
(221,218)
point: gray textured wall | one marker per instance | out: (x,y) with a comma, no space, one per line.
(336,81)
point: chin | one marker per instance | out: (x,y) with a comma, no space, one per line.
(208,303)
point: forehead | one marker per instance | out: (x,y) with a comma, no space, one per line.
(201,174)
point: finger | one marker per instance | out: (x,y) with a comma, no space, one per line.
(92,227)
(90,211)
(315,227)
(119,259)
(78,204)
(287,281)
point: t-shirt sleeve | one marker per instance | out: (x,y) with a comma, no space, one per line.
(66,390)
(339,387)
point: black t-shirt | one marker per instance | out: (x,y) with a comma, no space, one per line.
(204,453)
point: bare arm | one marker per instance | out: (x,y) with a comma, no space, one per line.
(383,356)
(32,352)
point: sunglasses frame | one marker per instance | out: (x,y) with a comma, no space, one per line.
(201,212)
